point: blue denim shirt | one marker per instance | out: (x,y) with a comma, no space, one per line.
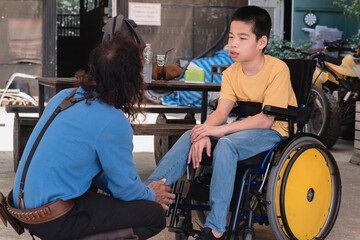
(81,141)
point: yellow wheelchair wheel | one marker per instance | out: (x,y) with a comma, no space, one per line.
(304,191)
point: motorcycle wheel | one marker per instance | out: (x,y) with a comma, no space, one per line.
(325,118)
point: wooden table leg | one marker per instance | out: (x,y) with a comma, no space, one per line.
(204,106)
(41,99)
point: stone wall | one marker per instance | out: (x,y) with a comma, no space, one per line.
(356,157)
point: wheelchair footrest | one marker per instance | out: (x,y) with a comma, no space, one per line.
(191,232)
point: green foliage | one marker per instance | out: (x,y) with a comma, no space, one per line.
(273,47)
(350,8)
(355,39)
(71,7)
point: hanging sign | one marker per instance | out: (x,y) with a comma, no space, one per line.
(145,13)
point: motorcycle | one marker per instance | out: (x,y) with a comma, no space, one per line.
(331,108)
(336,88)
(346,87)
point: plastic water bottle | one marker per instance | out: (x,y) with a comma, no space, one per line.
(147,60)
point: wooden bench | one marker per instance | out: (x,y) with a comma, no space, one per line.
(166,131)
(23,127)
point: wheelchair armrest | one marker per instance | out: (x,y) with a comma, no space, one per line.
(281,113)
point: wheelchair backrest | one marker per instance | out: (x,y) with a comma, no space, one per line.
(301,72)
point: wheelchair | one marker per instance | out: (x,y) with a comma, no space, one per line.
(294,187)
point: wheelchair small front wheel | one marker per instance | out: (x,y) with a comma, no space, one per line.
(249,234)
(303,191)
(180,235)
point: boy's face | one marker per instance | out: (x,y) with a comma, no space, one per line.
(242,43)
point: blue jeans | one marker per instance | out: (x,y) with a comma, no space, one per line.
(228,151)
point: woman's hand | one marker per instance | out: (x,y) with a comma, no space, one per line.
(163,193)
(204,130)
(196,151)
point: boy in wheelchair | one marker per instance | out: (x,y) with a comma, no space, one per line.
(262,81)
(253,77)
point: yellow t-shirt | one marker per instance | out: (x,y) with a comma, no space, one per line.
(270,86)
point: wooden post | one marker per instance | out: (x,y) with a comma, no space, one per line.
(122,7)
(355,159)
(49,33)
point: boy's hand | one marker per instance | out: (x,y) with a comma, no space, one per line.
(196,150)
(163,195)
(204,130)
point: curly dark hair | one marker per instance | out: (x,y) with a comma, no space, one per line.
(114,74)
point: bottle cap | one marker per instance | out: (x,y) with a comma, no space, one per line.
(148,44)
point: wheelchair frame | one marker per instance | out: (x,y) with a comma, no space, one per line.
(247,199)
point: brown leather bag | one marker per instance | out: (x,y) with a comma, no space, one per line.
(6,217)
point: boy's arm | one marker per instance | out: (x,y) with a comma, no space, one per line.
(217,118)
(258,121)
(213,127)
(220,115)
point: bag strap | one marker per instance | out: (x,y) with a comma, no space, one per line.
(66,103)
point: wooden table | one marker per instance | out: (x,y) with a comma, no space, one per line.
(62,83)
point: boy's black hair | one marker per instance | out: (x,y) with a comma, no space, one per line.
(258,17)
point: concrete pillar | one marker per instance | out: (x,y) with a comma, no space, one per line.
(355,159)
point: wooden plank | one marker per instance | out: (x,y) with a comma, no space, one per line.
(150,108)
(157,108)
(161,129)
(21,109)
(28,121)
(52,81)
(154,85)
